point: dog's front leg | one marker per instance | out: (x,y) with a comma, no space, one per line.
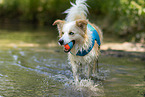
(75,71)
(89,71)
(94,67)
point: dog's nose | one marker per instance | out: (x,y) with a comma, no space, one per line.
(61,41)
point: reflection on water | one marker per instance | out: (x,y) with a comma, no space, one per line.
(32,64)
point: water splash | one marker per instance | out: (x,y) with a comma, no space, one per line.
(83,88)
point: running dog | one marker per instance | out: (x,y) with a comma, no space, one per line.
(85,38)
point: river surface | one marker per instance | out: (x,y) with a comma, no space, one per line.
(33,65)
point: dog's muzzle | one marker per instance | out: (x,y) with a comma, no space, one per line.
(69,46)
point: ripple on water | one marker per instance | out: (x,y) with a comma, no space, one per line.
(59,70)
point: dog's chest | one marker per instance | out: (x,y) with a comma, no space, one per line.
(87,59)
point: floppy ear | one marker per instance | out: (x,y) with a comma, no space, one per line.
(82,24)
(59,24)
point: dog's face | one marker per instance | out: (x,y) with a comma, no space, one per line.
(74,31)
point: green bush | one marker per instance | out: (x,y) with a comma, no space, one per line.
(130,19)
(125,18)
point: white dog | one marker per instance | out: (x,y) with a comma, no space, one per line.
(86,38)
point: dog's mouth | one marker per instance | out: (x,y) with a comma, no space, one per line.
(69,46)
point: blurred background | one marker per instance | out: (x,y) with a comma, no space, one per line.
(124,18)
(32,64)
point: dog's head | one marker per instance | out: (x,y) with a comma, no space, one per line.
(74,31)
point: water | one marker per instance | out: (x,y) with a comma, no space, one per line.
(33,65)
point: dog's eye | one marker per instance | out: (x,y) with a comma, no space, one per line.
(62,33)
(71,33)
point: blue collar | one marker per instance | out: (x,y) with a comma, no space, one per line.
(95,36)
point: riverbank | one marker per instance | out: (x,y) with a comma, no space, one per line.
(126,46)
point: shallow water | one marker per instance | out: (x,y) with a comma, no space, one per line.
(33,65)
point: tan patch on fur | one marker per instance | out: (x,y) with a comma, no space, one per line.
(82,24)
(59,24)
(96,49)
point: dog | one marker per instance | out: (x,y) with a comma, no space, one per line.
(85,36)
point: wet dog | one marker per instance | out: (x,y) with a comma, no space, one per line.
(86,38)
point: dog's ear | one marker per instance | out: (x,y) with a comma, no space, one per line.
(82,24)
(59,24)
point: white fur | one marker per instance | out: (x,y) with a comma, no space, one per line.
(78,10)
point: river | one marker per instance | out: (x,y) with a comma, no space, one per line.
(32,64)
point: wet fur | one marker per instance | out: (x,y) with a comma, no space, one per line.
(78,25)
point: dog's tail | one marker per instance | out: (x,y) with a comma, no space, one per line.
(77,11)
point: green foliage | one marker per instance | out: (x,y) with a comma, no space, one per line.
(121,17)
(130,19)
(36,11)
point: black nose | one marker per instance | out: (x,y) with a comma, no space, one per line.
(61,41)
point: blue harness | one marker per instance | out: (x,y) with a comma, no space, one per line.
(95,36)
